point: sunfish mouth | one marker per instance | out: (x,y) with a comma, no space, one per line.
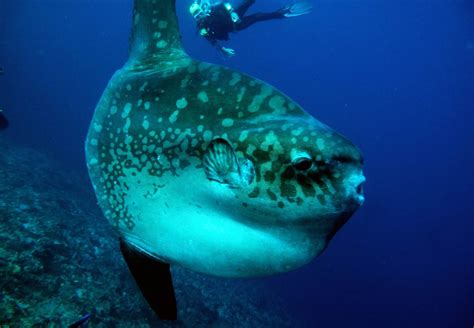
(356,187)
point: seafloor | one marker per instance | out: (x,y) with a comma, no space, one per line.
(59,259)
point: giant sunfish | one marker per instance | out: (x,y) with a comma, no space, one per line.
(204,167)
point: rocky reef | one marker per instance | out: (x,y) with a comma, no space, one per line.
(59,259)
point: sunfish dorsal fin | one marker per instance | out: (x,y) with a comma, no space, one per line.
(155,37)
(154,279)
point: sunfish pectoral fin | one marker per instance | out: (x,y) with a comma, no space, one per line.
(222,165)
(154,279)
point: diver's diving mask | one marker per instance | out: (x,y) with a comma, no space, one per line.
(195,10)
(200,9)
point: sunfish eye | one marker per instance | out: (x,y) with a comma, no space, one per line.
(302,164)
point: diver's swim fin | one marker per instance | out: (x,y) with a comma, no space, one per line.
(297,9)
(154,279)
(3,121)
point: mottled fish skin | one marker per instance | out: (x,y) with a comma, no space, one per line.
(145,147)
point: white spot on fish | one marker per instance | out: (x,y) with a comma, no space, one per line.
(127,125)
(243,135)
(174,116)
(126,110)
(143,86)
(241,94)
(236,77)
(181,103)
(259,99)
(227,123)
(207,135)
(97,127)
(320,143)
(161,44)
(270,139)
(297,132)
(277,103)
(250,149)
(203,97)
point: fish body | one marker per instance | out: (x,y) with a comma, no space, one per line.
(211,169)
(147,144)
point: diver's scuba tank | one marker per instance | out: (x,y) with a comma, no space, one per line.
(202,8)
(233,15)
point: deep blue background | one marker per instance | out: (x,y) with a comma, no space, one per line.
(395,76)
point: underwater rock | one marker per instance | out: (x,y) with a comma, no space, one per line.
(59,260)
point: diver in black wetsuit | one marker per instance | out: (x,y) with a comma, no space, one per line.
(215,22)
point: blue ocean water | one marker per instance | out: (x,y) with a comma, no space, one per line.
(396,77)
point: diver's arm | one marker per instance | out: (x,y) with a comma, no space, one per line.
(228,52)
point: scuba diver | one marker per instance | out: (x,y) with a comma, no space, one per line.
(216,21)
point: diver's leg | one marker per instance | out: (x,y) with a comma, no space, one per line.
(255,18)
(243,7)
